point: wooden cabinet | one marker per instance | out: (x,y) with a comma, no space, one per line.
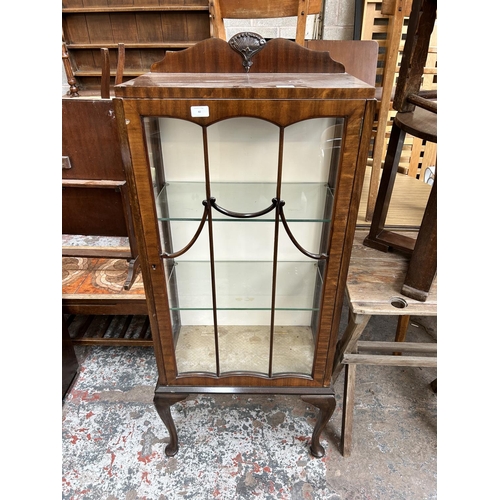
(146,27)
(95,195)
(245,190)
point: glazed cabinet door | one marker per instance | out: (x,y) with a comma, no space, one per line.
(244,208)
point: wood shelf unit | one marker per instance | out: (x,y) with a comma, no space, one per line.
(147,28)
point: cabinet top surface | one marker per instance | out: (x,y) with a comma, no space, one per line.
(246,85)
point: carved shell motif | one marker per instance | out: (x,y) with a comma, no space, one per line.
(247,44)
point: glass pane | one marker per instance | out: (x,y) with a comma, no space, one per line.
(195,349)
(311,153)
(250,241)
(293,348)
(190,301)
(243,150)
(310,146)
(245,286)
(244,347)
(182,150)
(308,236)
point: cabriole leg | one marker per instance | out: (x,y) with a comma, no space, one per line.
(162,403)
(326,405)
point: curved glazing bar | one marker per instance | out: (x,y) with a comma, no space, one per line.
(239,215)
(317,256)
(195,237)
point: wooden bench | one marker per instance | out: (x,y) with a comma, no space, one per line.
(373,289)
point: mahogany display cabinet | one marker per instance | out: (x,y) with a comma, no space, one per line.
(245,161)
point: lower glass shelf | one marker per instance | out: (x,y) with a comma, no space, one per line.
(244,286)
(245,349)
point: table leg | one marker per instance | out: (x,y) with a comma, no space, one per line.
(354,329)
(403,324)
(346,345)
(348,410)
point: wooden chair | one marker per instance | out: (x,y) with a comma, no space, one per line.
(385,21)
(95,194)
(262,9)
(416,116)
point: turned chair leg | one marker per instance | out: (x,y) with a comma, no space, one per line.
(326,405)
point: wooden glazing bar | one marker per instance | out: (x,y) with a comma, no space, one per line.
(193,239)
(211,246)
(315,256)
(275,249)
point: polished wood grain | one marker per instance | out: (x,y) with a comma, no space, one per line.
(216,56)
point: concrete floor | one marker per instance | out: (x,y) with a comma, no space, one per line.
(246,447)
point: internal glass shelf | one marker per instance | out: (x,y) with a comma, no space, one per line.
(244,286)
(304,202)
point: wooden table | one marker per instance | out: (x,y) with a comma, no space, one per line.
(373,289)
